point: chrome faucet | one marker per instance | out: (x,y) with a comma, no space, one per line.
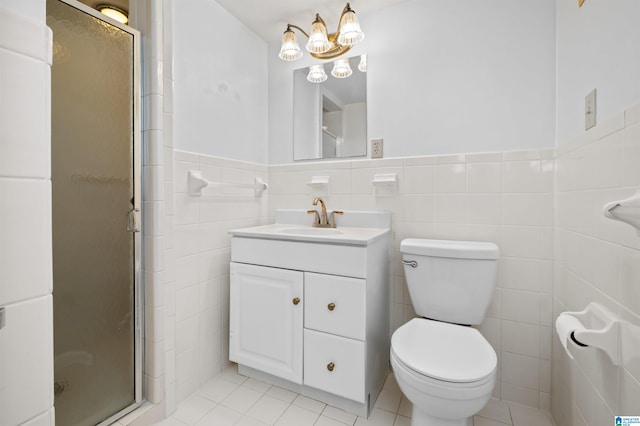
(322,220)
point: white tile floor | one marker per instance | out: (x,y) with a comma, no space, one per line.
(232,399)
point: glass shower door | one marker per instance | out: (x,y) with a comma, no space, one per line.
(96,191)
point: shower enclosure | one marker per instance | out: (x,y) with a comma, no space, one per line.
(95,173)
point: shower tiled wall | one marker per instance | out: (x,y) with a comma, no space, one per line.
(505,197)
(597,260)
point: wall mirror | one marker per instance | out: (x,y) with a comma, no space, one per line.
(330,118)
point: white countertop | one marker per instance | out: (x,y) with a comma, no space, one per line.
(306,233)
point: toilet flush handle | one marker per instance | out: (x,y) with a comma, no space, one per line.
(411,263)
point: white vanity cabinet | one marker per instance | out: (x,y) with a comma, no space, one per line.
(312,314)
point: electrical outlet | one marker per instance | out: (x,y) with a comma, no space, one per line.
(590,110)
(376,148)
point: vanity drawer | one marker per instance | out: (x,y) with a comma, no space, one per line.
(334,364)
(335,304)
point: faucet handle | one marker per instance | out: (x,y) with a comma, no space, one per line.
(332,218)
(317,217)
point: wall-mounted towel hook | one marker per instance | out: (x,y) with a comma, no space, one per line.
(627,210)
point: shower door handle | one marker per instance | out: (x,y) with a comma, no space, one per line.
(133,220)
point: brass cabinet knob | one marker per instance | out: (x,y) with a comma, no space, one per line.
(330,366)
(331,306)
(296,300)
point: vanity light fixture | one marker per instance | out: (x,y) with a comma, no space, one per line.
(322,45)
(114,12)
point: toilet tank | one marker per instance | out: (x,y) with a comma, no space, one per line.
(450,281)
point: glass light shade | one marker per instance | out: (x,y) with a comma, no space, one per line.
(318,40)
(114,13)
(341,68)
(362,66)
(350,32)
(290,49)
(316,74)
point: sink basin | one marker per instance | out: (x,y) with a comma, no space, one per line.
(310,231)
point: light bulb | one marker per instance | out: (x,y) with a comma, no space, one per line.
(341,68)
(316,74)
(350,32)
(290,49)
(318,40)
(113,13)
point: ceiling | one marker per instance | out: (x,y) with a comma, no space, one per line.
(269,18)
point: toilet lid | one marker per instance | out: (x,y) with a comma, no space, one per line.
(443,351)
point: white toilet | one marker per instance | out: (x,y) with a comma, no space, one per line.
(444,367)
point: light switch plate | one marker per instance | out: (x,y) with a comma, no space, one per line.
(590,110)
(376,148)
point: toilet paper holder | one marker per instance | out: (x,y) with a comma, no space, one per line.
(600,328)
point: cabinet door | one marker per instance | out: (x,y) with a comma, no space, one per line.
(265,324)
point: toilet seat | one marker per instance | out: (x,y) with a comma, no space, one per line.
(445,352)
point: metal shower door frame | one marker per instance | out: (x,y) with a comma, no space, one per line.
(137,207)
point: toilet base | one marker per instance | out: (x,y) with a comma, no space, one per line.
(420,418)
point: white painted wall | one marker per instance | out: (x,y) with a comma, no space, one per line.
(445,77)
(597,48)
(220,84)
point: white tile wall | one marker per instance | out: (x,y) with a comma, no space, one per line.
(25,231)
(200,252)
(596,259)
(24,81)
(506,198)
(26,338)
(44,419)
(147,16)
